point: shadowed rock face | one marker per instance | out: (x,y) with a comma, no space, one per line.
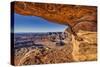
(64,14)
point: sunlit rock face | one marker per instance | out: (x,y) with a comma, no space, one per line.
(85,50)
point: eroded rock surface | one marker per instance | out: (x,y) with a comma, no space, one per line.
(78,18)
(85,50)
(72,51)
(59,13)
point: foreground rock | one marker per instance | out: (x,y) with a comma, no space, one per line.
(73,50)
(85,50)
(45,56)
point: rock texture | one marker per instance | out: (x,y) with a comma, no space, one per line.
(82,22)
(85,50)
(64,14)
(72,51)
(45,56)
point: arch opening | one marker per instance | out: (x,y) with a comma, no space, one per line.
(49,31)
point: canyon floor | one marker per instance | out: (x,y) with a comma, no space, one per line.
(72,51)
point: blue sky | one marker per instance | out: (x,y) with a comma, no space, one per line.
(35,24)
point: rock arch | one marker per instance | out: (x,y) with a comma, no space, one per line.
(76,17)
(60,13)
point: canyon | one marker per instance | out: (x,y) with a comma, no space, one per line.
(80,43)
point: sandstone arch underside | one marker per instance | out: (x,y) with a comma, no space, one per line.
(61,13)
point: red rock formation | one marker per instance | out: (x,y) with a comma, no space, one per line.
(61,13)
(77,17)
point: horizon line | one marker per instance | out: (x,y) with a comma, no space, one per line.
(37,32)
